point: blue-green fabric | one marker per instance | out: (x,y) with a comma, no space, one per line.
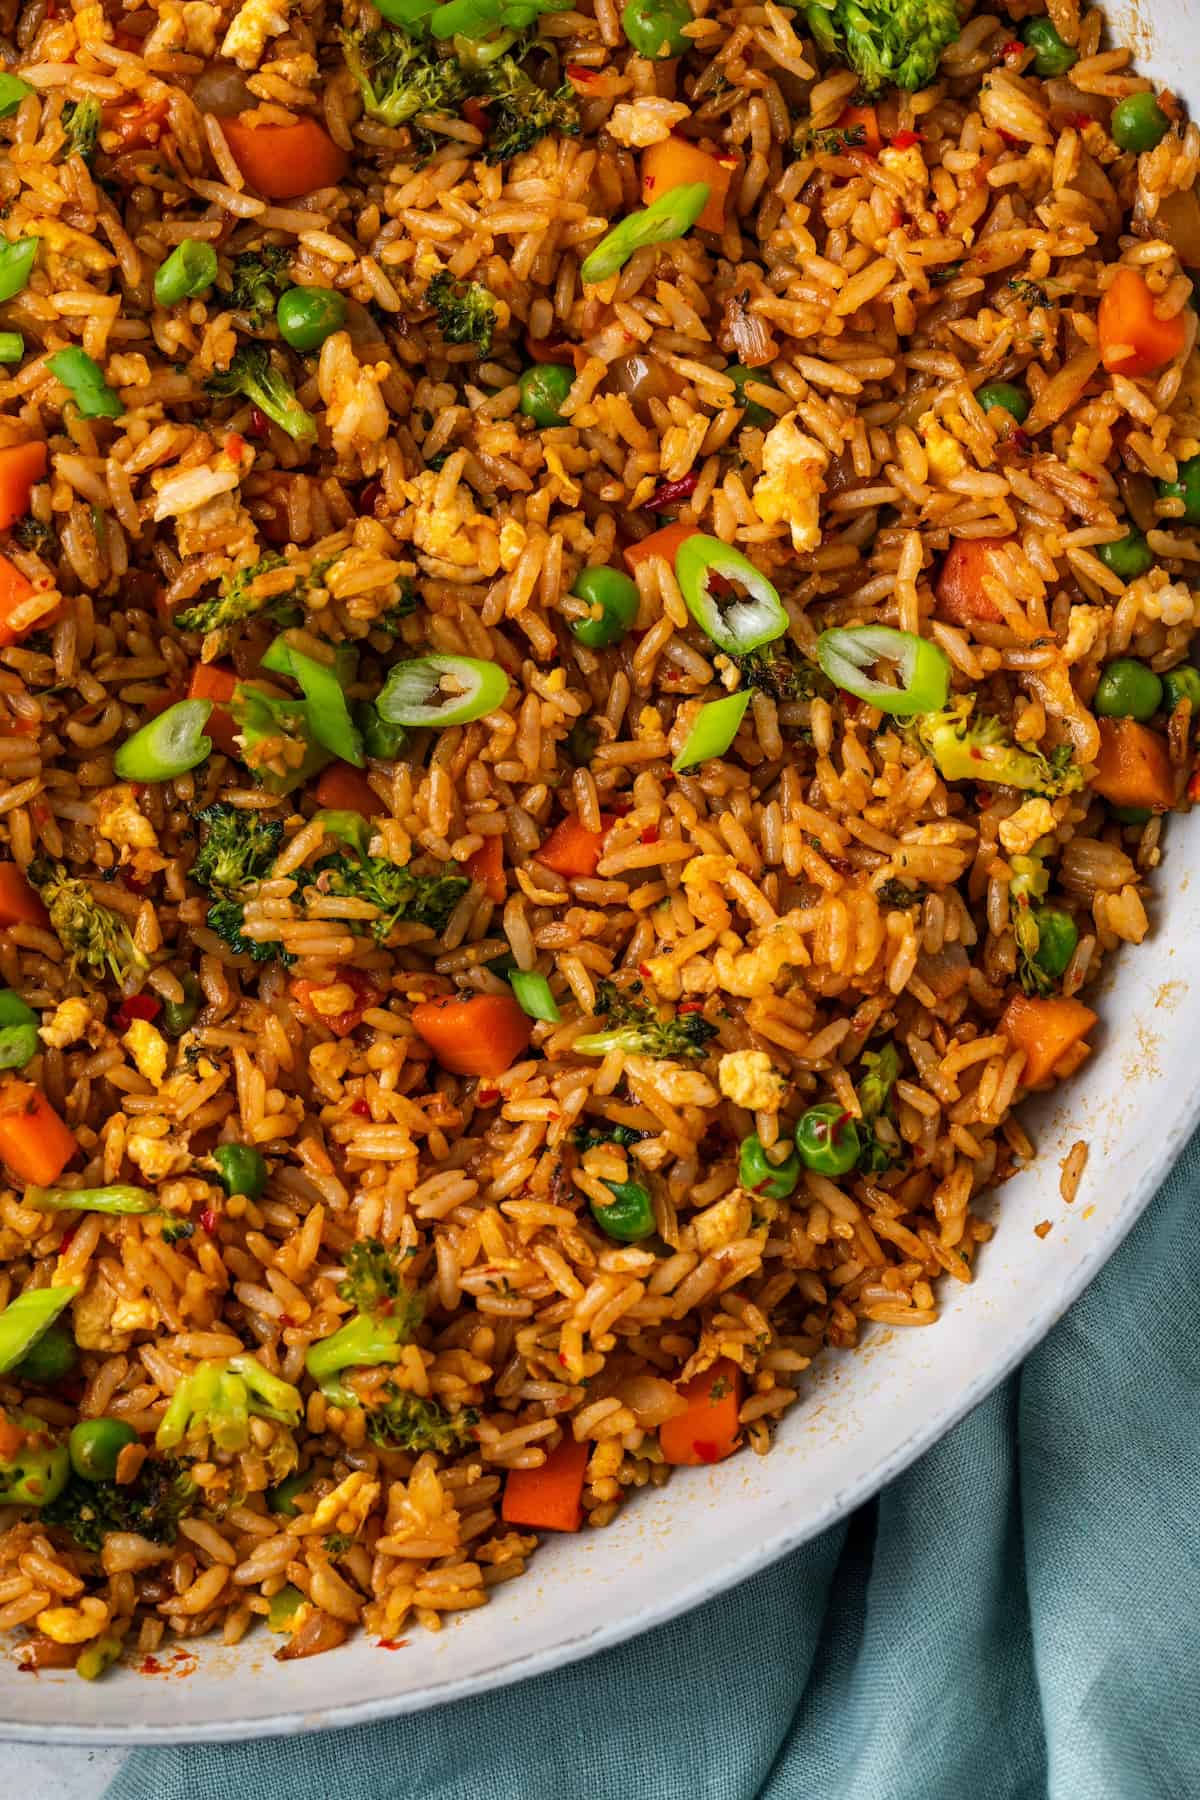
(1014,1619)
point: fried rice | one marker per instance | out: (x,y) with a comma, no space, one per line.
(817,892)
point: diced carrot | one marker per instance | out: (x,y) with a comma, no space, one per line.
(482,1035)
(343,789)
(34,1142)
(486,867)
(11,1437)
(314,997)
(213,681)
(1045,1030)
(285,161)
(549,1498)
(676,162)
(664,542)
(20,902)
(14,589)
(708,1431)
(1133,767)
(20,466)
(138,124)
(960,591)
(1133,339)
(851,117)
(571,849)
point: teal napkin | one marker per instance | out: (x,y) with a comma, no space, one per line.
(1016,1618)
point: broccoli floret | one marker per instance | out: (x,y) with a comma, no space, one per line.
(239,847)
(634,1026)
(898,894)
(373,1282)
(393,888)
(32,534)
(400,77)
(882,1068)
(95,937)
(242,595)
(259,277)
(401,1421)
(367,1340)
(890,43)
(36,1471)
(227,917)
(466,312)
(151,1506)
(775,672)
(588,1137)
(252,375)
(969,749)
(520,112)
(81,122)
(212,1408)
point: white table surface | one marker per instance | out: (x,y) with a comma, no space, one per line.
(47,1774)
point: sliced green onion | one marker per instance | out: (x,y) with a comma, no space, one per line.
(190,268)
(350,827)
(533,995)
(259,716)
(25,1319)
(168,746)
(671,216)
(713,730)
(327,711)
(18,1031)
(85,380)
(121,1199)
(924,670)
(17,258)
(743,621)
(441,691)
(12,346)
(12,91)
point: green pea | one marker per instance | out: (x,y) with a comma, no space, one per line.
(306,316)
(1131,815)
(631,1214)
(1186,487)
(282,1499)
(655,27)
(95,1445)
(12,346)
(1129,557)
(190,268)
(12,91)
(774,1180)
(241,1169)
(1057,938)
(52,1357)
(1138,123)
(1051,56)
(544,387)
(617,598)
(753,413)
(1179,684)
(1008,398)
(827,1139)
(1128,690)
(179,1016)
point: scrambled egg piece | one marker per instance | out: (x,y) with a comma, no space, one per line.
(249,30)
(1174,604)
(135,1315)
(70,1022)
(455,533)
(355,409)
(148,1049)
(748,1078)
(1085,626)
(346,1507)
(121,820)
(92,1318)
(942,448)
(74,1624)
(790,486)
(645,121)
(723,1223)
(906,165)
(751,973)
(1030,822)
(157,1157)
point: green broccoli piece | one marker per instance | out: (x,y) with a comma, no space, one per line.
(774,671)
(242,595)
(466,312)
(151,1506)
(252,375)
(214,1406)
(259,277)
(969,749)
(36,1473)
(227,917)
(898,894)
(262,720)
(95,937)
(402,1421)
(400,77)
(874,1090)
(589,1137)
(367,1340)
(520,112)
(239,847)
(634,1026)
(373,1281)
(393,888)
(32,534)
(81,122)
(889,43)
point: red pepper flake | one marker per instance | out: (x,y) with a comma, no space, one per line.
(487,1096)
(904,140)
(135,1006)
(690,1006)
(897,217)
(644,971)
(943,218)
(67,1237)
(208,1221)
(259,426)
(150,1665)
(475,113)
(673,490)
(584,77)
(650,835)
(1081,121)
(287,1321)
(360,1109)
(235,446)
(1012,49)
(393,1643)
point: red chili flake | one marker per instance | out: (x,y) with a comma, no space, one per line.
(136,1006)
(650,835)
(843,1119)
(707,1451)
(370,497)
(690,1006)
(644,971)
(487,1096)
(235,446)
(259,426)
(1014,47)
(943,219)
(1081,121)
(360,1109)
(287,1321)
(904,140)
(671,491)
(67,1236)
(208,1221)
(585,77)
(393,1643)
(150,1665)
(475,113)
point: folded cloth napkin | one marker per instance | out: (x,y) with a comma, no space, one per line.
(1016,1618)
